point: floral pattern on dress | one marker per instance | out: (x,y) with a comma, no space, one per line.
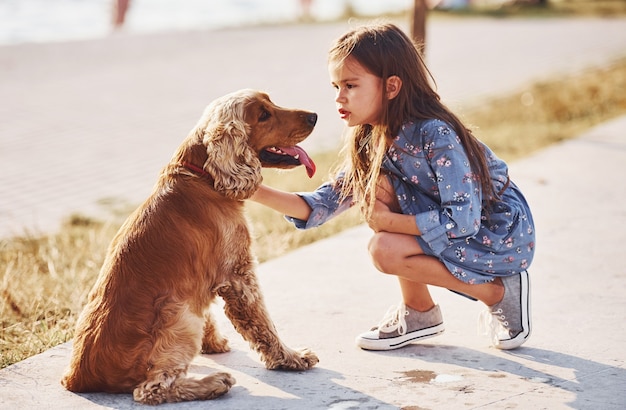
(433,181)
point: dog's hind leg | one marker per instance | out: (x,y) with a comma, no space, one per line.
(246,310)
(176,342)
(175,387)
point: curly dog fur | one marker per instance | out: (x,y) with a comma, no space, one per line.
(147,315)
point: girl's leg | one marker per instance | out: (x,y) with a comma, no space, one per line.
(401,255)
(416,295)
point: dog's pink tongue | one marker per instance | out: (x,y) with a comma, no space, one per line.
(303,157)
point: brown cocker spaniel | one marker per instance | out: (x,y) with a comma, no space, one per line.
(147,315)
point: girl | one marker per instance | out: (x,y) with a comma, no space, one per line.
(440,203)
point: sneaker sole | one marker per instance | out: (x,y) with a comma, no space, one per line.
(520,338)
(399,341)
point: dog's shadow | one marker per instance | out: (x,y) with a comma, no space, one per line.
(586,380)
(259,388)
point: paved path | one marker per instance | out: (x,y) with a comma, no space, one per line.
(575,358)
(93,122)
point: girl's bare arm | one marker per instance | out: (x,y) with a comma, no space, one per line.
(286,203)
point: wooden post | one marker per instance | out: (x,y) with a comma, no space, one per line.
(418,26)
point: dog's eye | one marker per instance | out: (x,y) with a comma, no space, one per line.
(264,116)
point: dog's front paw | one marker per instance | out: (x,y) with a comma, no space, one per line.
(309,358)
(215,385)
(302,359)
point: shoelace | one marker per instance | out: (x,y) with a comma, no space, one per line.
(394,320)
(489,326)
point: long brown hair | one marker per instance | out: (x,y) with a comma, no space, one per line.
(384,50)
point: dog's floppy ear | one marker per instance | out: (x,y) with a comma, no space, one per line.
(234,166)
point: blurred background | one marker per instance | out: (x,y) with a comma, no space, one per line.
(53,20)
(57,20)
(97,94)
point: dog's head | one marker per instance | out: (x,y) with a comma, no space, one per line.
(244,131)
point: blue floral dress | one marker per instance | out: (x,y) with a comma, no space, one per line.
(430,172)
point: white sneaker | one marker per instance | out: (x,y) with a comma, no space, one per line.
(508,322)
(401,326)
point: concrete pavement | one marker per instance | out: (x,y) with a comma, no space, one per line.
(324,294)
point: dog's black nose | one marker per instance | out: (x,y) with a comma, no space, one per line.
(311,119)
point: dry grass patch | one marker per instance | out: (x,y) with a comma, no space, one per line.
(550,111)
(44,284)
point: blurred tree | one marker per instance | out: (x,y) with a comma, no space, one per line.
(120,7)
(418,25)
(305,10)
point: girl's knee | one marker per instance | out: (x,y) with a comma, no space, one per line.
(389,251)
(381,252)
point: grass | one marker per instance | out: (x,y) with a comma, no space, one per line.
(551,111)
(44,280)
(528,8)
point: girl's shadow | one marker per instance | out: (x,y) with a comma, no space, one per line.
(592,383)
